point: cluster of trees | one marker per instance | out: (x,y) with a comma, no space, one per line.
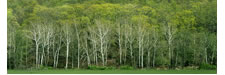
(138,33)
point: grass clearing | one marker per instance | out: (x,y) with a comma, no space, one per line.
(75,71)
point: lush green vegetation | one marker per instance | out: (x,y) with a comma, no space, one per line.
(112,34)
(111,71)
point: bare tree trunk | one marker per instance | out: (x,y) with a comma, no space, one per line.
(37,46)
(194,51)
(148,59)
(67,53)
(57,51)
(106,54)
(169,32)
(78,46)
(205,49)
(78,56)
(212,57)
(130,40)
(131,54)
(103,60)
(26,52)
(139,54)
(57,58)
(72,60)
(125,49)
(206,56)
(141,47)
(42,55)
(120,49)
(96,54)
(142,58)
(176,58)
(86,50)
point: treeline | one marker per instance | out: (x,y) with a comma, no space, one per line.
(137,33)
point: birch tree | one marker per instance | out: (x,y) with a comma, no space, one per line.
(119,40)
(86,47)
(78,45)
(102,32)
(12,27)
(131,39)
(67,34)
(155,38)
(57,42)
(36,36)
(169,32)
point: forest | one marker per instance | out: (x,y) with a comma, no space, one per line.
(133,34)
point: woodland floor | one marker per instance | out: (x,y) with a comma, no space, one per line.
(75,71)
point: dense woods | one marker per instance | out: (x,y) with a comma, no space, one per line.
(137,33)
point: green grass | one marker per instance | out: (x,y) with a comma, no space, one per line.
(71,71)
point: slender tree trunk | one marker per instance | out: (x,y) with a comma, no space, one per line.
(206,56)
(139,55)
(78,47)
(57,58)
(42,56)
(120,49)
(86,50)
(67,53)
(131,54)
(72,60)
(125,52)
(78,56)
(142,58)
(148,59)
(103,59)
(106,54)
(176,58)
(96,54)
(212,57)
(154,52)
(37,46)
(48,53)
(169,54)
(26,54)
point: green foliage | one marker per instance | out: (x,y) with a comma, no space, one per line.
(190,68)
(207,67)
(94,67)
(42,67)
(126,67)
(110,67)
(186,27)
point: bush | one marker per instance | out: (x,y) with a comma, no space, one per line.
(207,67)
(101,68)
(94,67)
(126,67)
(45,67)
(111,68)
(191,68)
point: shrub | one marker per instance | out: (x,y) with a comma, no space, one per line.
(126,67)
(45,67)
(111,68)
(190,68)
(94,67)
(207,67)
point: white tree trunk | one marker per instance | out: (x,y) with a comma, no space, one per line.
(67,53)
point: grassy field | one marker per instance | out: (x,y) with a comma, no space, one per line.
(70,71)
